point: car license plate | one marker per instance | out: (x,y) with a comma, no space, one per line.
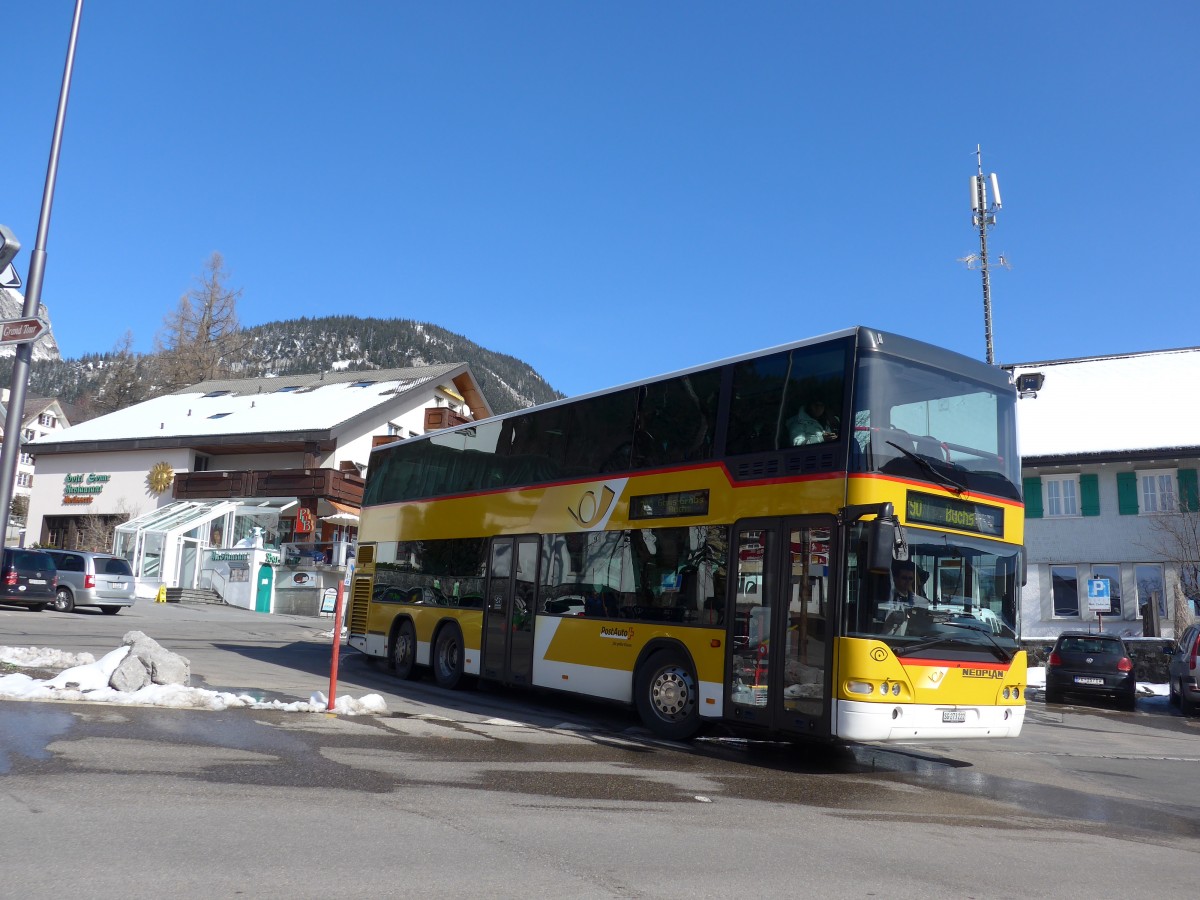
(954,715)
(1083,679)
(116,584)
(37,580)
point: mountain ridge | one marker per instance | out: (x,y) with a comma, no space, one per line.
(97,383)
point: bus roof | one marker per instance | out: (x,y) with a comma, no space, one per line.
(869,339)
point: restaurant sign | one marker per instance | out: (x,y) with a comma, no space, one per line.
(80,488)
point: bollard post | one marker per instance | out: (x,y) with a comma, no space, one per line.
(337,645)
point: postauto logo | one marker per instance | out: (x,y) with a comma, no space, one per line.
(616,632)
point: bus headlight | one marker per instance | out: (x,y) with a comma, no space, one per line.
(859,687)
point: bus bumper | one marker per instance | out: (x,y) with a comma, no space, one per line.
(858,721)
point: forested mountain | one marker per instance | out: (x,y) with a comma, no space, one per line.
(98,383)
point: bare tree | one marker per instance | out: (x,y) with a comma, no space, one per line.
(202,333)
(1176,539)
(126,381)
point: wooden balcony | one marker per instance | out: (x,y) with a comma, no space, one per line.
(328,484)
(437,417)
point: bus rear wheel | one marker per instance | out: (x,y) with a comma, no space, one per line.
(448,658)
(404,651)
(667,697)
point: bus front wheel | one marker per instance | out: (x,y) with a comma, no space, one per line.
(667,695)
(404,650)
(448,658)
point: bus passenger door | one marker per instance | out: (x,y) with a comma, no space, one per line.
(508,616)
(780,637)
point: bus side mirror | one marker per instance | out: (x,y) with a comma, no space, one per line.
(882,538)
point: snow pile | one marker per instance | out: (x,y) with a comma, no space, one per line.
(87,679)
(43,658)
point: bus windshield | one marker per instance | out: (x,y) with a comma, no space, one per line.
(951,591)
(935,426)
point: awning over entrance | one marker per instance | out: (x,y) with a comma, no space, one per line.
(335,513)
(326,507)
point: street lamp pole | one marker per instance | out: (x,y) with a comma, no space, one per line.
(33,296)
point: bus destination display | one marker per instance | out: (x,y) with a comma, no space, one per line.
(929,509)
(661,506)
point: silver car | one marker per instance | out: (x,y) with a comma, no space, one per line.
(92,579)
(1184,671)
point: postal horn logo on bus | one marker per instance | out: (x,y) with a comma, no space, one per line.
(591,509)
(616,632)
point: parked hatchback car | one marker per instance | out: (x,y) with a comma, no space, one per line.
(1092,665)
(28,577)
(92,579)
(1183,672)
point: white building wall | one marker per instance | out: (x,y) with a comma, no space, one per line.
(1085,541)
(355,443)
(125,492)
(255,461)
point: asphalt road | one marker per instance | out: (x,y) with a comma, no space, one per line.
(506,795)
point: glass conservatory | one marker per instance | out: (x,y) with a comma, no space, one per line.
(165,544)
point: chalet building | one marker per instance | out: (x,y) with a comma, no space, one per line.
(1109,455)
(42,418)
(271,464)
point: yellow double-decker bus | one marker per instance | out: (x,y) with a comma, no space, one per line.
(819,540)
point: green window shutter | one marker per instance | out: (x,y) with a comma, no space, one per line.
(1032,488)
(1089,495)
(1127,493)
(1189,495)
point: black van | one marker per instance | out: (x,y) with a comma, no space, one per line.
(28,577)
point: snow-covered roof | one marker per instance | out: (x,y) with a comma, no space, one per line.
(1132,403)
(34,407)
(255,407)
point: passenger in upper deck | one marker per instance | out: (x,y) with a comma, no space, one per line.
(813,424)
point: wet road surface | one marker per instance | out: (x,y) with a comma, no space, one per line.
(523,780)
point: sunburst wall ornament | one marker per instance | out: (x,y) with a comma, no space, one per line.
(160,477)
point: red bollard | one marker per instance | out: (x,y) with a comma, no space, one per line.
(337,645)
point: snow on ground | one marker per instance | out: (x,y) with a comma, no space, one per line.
(85,678)
(1036,680)
(88,678)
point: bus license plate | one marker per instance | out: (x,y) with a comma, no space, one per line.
(1081,679)
(954,715)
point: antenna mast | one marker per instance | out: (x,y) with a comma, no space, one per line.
(983,214)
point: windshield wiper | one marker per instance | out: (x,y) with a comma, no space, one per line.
(943,640)
(999,649)
(925,464)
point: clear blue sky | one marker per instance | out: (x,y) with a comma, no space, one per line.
(610,191)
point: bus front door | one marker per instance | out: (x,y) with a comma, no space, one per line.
(780,647)
(508,614)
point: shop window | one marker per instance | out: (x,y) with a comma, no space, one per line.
(1064,581)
